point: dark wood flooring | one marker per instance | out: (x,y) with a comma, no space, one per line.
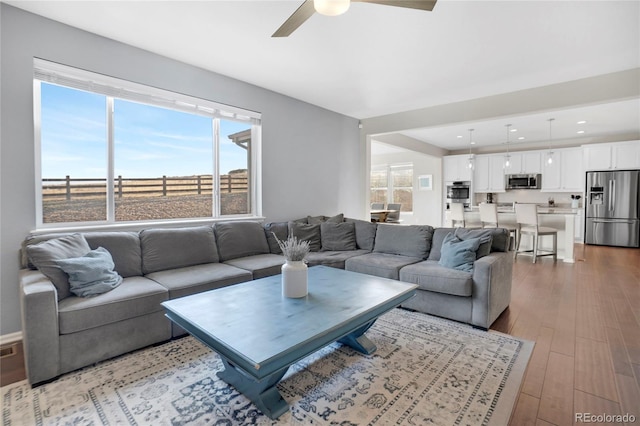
(585,321)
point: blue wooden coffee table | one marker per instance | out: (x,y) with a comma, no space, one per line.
(258,333)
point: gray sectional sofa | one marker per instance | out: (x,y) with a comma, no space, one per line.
(63,332)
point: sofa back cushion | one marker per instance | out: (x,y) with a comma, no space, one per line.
(172,248)
(124,248)
(365,233)
(281,230)
(240,239)
(411,240)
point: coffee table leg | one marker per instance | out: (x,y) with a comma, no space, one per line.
(262,393)
(358,341)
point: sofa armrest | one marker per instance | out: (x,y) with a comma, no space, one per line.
(491,295)
(40,334)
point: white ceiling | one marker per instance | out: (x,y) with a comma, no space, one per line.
(376,60)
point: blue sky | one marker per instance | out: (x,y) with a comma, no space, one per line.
(149,141)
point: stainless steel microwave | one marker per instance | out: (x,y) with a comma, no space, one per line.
(532,181)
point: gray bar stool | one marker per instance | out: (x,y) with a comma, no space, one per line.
(489,219)
(527,219)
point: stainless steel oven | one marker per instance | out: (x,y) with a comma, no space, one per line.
(459,192)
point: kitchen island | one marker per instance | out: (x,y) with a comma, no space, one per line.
(564,219)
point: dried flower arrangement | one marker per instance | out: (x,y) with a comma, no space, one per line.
(292,248)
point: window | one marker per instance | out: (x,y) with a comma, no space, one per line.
(393,184)
(113,151)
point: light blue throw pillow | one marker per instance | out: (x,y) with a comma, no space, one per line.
(91,274)
(458,254)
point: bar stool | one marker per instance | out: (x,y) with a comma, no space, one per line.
(457,215)
(489,219)
(527,219)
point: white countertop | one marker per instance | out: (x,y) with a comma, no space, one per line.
(541,210)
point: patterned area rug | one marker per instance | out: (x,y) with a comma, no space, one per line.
(426,371)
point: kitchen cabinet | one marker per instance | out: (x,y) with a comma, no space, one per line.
(525,163)
(566,173)
(456,168)
(612,156)
(488,173)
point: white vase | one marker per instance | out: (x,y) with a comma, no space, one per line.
(294,279)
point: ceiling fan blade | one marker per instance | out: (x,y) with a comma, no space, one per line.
(303,13)
(411,4)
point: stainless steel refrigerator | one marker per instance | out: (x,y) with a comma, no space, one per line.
(613,208)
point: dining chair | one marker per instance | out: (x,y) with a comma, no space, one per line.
(376,206)
(457,215)
(527,220)
(394,214)
(489,219)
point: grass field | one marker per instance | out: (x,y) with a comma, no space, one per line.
(142,208)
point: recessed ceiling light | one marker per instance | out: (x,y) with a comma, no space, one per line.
(513,130)
(521,138)
(581,122)
(580,131)
(459,137)
(473,143)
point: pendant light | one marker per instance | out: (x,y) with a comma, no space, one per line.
(550,153)
(507,158)
(470,160)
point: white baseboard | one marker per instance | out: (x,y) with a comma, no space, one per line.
(6,339)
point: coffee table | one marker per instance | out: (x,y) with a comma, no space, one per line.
(258,333)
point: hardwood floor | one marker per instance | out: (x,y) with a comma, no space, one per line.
(585,320)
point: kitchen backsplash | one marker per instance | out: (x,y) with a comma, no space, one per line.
(561,199)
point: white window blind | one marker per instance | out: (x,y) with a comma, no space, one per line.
(55,73)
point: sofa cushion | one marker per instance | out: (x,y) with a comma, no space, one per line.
(307,232)
(281,230)
(334,259)
(485,236)
(198,278)
(412,240)
(260,265)
(365,233)
(458,254)
(91,274)
(240,239)
(136,296)
(338,236)
(171,248)
(44,255)
(380,264)
(431,276)
(124,248)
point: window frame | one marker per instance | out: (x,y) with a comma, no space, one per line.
(53,73)
(390,188)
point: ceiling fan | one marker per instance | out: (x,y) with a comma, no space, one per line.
(338,7)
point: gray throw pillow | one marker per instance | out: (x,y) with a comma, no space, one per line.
(485,235)
(44,256)
(281,230)
(365,233)
(91,274)
(338,236)
(458,254)
(317,220)
(307,232)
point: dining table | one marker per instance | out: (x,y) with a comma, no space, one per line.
(380,215)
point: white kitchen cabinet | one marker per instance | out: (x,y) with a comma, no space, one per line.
(488,173)
(456,168)
(565,174)
(525,163)
(612,156)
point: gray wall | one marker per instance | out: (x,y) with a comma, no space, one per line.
(310,156)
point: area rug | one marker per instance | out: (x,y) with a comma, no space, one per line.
(426,371)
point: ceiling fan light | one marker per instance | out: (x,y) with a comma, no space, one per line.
(331,7)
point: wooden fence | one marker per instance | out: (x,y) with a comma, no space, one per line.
(69,188)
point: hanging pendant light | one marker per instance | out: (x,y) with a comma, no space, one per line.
(507,158)
(470,160)
(550,153)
